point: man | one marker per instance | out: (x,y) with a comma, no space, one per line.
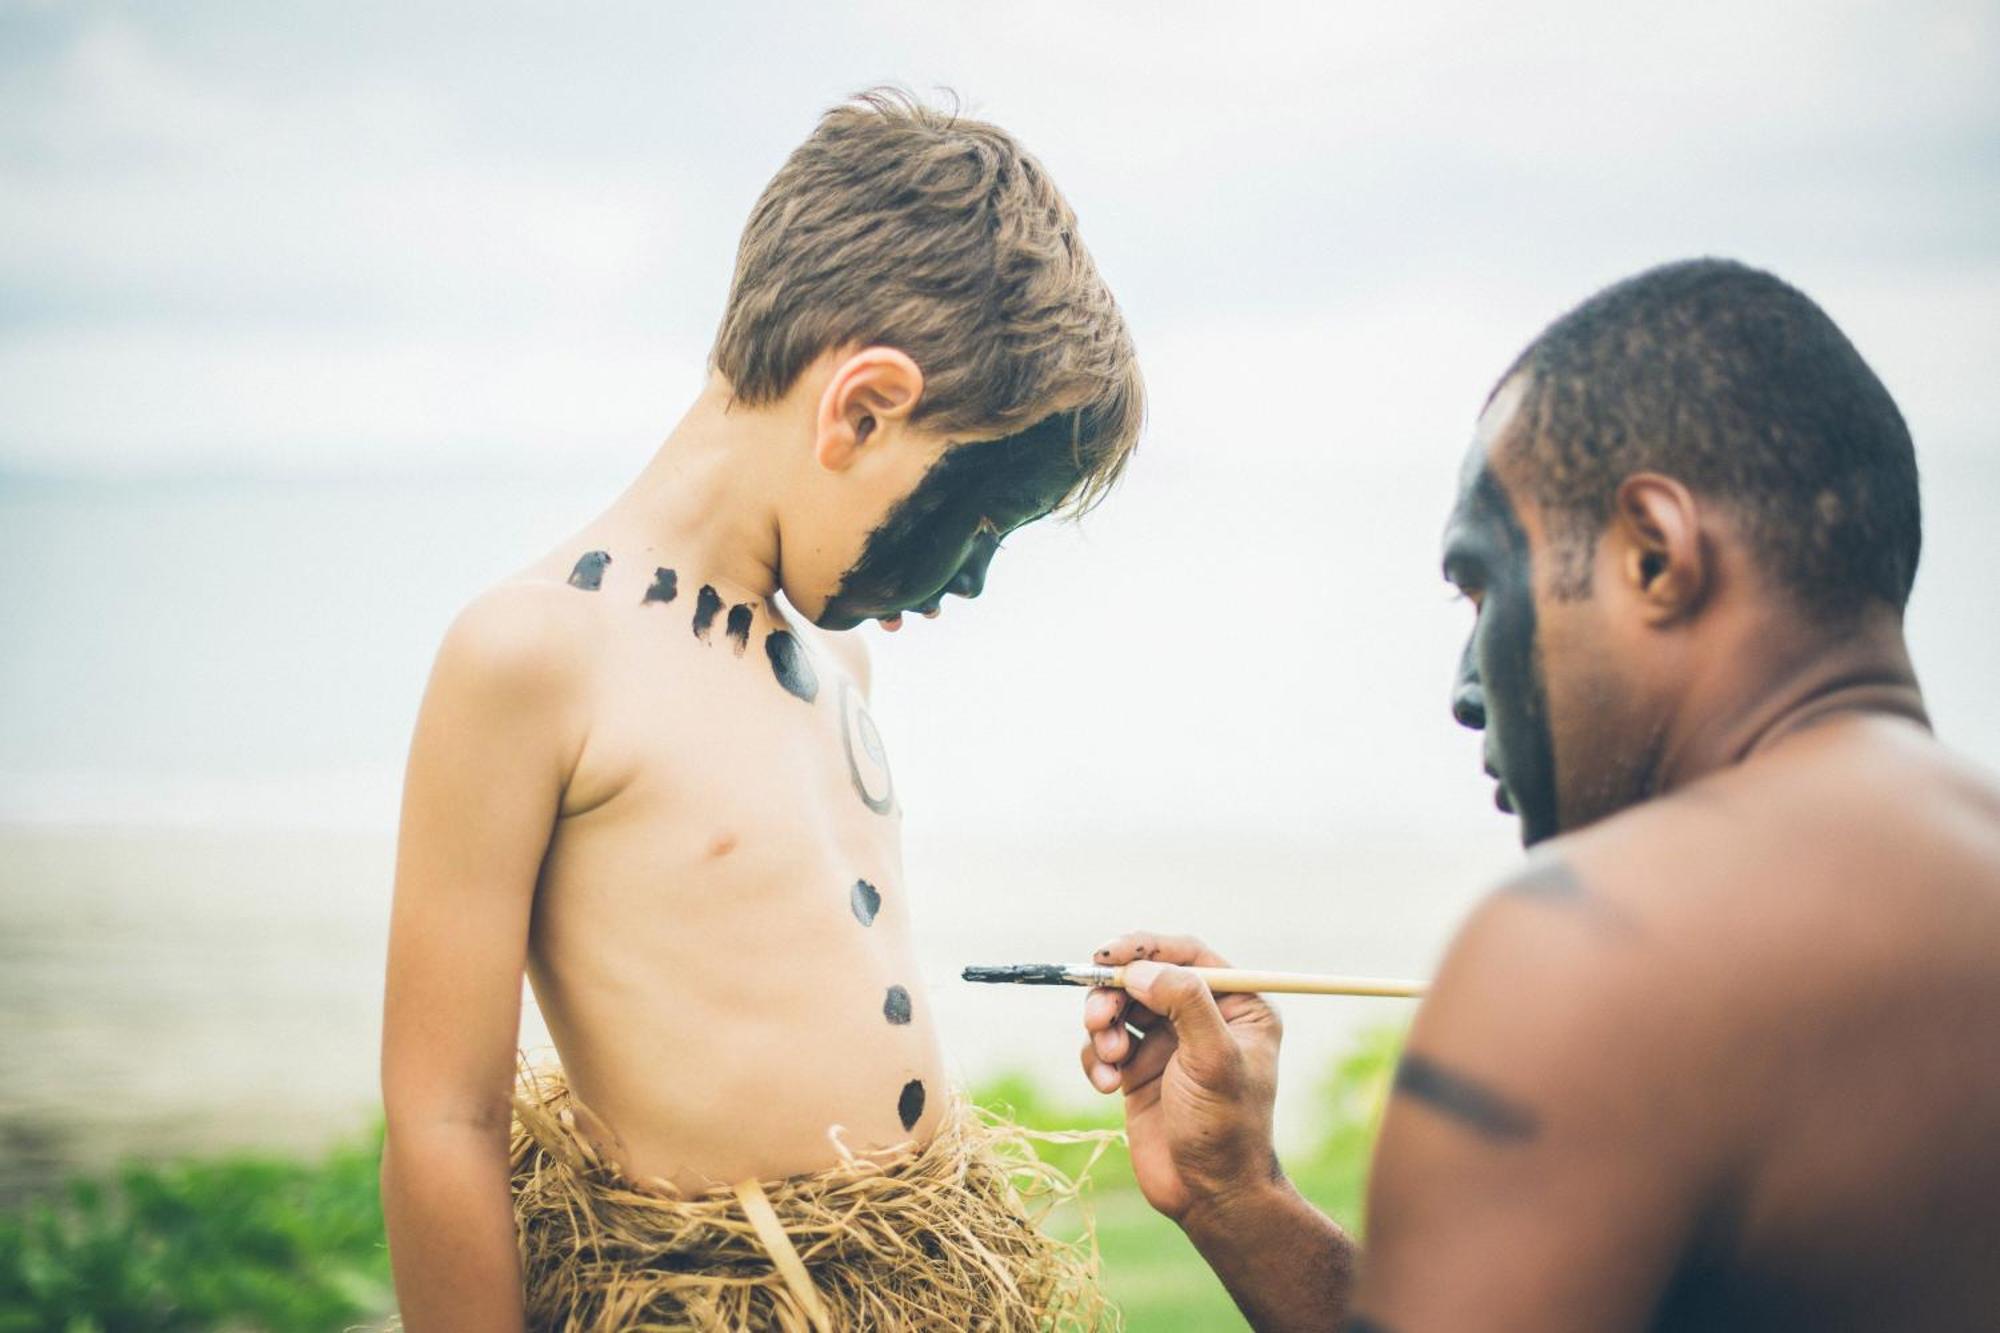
(1725,1053)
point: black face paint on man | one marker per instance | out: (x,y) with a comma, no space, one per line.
(1500,687)
(941,537)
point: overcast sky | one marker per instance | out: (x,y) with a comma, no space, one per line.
(286,236)
(487,238)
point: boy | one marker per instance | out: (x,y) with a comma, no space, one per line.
(635,775)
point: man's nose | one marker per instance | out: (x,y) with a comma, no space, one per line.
(970,580)
(1468,705)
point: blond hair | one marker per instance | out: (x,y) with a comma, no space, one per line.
(900,224)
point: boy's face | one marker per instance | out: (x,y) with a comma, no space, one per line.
(940,537)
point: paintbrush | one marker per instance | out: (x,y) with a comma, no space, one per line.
(1221,980)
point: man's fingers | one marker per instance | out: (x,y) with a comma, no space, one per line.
(1149,1060)
(1104,1008)
(1103,1077)
(1183,949)
(1182,998)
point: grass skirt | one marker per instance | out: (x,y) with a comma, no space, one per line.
(943,1236)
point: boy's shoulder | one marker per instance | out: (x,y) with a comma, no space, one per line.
(521,631)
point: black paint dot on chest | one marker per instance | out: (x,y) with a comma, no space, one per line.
(706,604)
(738,629)
(589,572)
(666,587)
(910,1106)
(866,900)
(790,664)
(896,1006)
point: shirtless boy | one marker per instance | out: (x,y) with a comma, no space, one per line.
(639,775)
(1725,1054)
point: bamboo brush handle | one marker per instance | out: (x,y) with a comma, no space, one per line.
(1235,980)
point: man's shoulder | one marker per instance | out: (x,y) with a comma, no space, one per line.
(1766,888)
(1837,810)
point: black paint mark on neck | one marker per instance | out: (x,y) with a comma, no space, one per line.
(910,1106)
(866,900)
(666,587)
(1481,1109)
(706,604)
(738,629)
(790,664)
(589,572)
(896,1008)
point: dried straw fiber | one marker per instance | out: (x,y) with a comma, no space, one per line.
(942,1236)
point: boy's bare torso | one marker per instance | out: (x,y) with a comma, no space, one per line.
(720,940)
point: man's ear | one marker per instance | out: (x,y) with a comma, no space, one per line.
(873,386)
(1656,529)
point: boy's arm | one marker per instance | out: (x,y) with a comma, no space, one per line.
(495,741)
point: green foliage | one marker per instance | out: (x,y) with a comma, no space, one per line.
(260,1242)
(1020,1099)
(1355,1093)
(245,1241)
(1149,1268)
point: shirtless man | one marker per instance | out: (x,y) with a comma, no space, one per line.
(637,775)
(1725,1053)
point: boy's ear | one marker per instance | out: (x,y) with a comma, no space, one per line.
(1656,524)
(873,386)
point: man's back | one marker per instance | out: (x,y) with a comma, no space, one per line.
(1748,1069)
(1840,897)
(720,941)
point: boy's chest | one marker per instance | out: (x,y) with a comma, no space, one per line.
(756,737)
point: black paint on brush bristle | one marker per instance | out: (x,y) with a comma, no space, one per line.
(589,572)
(910,1106)
(706,604)
(666,587)
(866,900)
(896,1006)
(1020,974)
(790,664)
(738,629)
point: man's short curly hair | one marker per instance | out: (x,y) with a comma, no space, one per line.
(1739,386)
(900,224)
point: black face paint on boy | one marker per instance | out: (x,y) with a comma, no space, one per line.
(941,537)
(1500,688)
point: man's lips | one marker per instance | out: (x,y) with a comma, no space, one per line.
(1501,801)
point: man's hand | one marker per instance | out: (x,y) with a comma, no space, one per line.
(1199,1079)
(1199,1082)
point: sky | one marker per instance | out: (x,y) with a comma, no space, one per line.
(472,255)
